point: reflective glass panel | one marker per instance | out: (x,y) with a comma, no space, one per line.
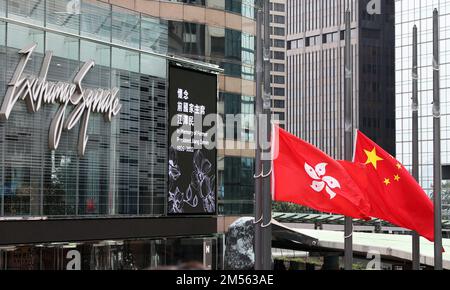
(96,20)
(31,11)
(126,27)
(64,15)
(154,34)
(101,54)
(125,59)
(2,7)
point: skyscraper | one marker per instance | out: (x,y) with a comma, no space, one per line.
(315,58)
(420,13)
(278,58)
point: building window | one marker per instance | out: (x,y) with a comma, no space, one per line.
(96,20)
(154,34)
(278,19)
(279,7)
(278,67)
(278,55)
(32,10)
(58,16)
(236,186)
(278,31)
(279,104)
(242,128)
(278,79)
(278,43)
(279,92)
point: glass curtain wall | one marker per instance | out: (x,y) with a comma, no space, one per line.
(245,8)
(123,171)
(110,255)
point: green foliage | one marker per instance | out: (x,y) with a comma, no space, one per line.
(285,207)
(317,261)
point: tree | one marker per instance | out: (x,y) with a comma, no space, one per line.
(285,207)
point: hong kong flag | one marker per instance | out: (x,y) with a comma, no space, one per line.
(393,194)
(304,175)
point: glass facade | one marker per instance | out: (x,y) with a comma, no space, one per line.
(233,50)
(315,64)
(236,185)
(278,21)
(123,171)
(110,255)
(245,8)
(408,14)
(238,110)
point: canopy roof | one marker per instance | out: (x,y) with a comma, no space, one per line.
(332,219)
(390,246)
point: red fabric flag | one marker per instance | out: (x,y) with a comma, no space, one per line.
(394,195)
(304,175)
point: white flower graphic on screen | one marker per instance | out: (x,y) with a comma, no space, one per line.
(321,181)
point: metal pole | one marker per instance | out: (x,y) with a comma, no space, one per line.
(437,172)
(415,143)
(266,228)
(258,111)
(348,137)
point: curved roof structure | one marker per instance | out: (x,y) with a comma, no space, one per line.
(389,246)
(332,219)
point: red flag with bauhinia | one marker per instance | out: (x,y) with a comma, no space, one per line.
(304,175)
(394,195)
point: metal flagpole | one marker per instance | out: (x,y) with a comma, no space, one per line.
(415,142)
(266,228)
(348,139)
(437,172)
(258,111)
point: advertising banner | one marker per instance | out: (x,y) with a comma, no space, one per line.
(192,132)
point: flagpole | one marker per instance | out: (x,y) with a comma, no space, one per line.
(258,111)
(266,228)
(437,147)
(348,139)
(415,143)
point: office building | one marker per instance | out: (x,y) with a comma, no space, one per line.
(315,60)
(107,207)
(278,58)
(420,13)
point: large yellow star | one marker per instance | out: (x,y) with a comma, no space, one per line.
(372,157)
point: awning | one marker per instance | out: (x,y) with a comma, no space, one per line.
(389,246)
(333,219)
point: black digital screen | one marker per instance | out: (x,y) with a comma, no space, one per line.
(192,132)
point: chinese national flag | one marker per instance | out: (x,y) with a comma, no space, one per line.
(393,194)
(304,175)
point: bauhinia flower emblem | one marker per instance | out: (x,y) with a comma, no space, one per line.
(201,188)
(321,181)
